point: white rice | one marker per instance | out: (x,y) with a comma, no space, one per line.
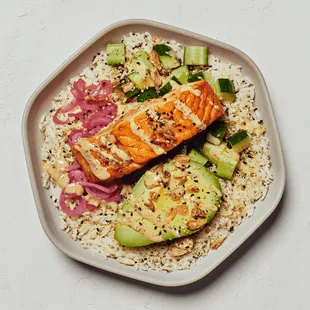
(95,230)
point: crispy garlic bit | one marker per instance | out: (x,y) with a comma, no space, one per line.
(181,161)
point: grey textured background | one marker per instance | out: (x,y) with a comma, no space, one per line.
(271,270)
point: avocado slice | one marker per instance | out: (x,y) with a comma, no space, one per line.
(169,201)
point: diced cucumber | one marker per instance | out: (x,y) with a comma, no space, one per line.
(169,62)
(179,75)
(165,89)
(132,93)
(195,77)
(207,75)
(115,53)
(195,55)
(141,81)
(224,158)
(198,157)
(228,162)
(174,79)
(173,83)
(225,90)
(147,95)
(239,141)
(213,152)
(217,133)
(162,49)
(139,67)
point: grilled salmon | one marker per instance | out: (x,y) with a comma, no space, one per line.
(147,131)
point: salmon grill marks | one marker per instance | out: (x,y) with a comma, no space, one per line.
(148,131)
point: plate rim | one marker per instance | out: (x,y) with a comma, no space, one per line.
(61,67)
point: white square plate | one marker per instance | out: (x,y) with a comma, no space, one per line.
(39,104)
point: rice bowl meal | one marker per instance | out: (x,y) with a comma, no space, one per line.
(154,153)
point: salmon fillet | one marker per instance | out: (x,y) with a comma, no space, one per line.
(147,131)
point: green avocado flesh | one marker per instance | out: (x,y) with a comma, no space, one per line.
(169,201)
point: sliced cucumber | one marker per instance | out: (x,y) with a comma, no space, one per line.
(225,90)
(139,67)
(165,89)
(195,55)
(147,95)
(198,157)
(195,77)
(239,141)
(132,93)
(162,49)
(179,75)
(141,80)
(169,62)
(173,83)
(115,54)
(207,75)
(213,152)
(217,133)
(228,162)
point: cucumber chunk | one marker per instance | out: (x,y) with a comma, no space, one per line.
(195,55)
(207,75)
(225,91)
(198,157)
(217,133)
(213,152)
(179,75)
(173,83)
(195,77)
(141,80)
(169,62)
(139,67)
(239,141)
(132,93)
(165,89)
(162,49)
(115,54)
(224,158)
(147,95)
(228,162)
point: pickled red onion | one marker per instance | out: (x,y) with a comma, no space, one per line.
(77,176)
(75,135)
(98,119)
(62,110)
(80,208)
(99,91)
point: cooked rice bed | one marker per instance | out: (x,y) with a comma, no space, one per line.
(250,183)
